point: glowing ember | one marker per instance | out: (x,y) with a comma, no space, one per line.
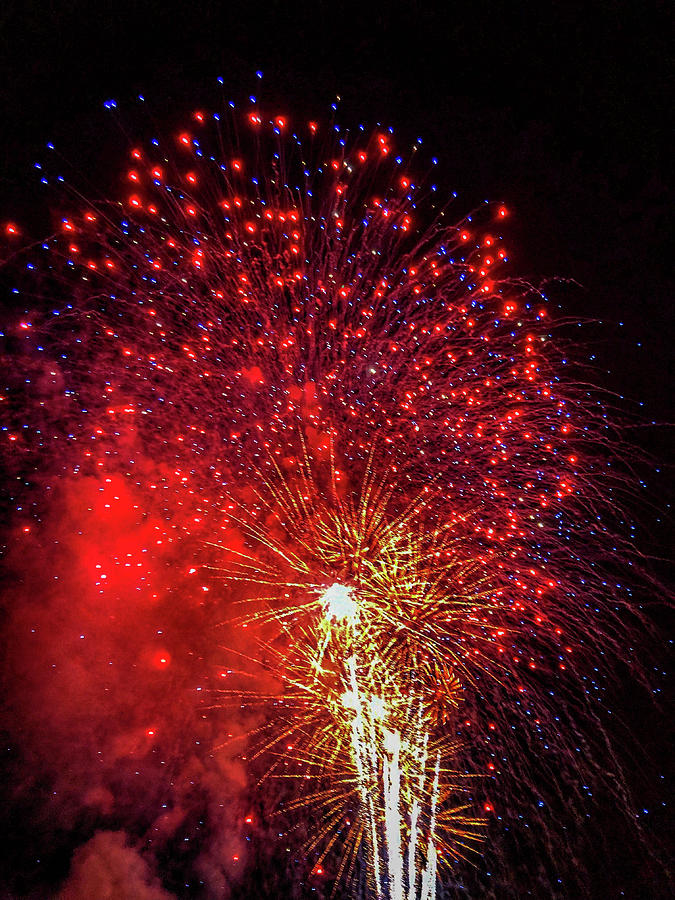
(277,372)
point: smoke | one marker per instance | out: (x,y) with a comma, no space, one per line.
(107,868)
(110,650)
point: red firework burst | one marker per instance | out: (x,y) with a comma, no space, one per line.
(270,319)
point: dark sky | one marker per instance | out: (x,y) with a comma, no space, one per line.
(561,110)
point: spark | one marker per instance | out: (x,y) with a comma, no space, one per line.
(408,512)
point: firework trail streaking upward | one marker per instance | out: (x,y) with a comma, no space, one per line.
(367,425)
(377,752)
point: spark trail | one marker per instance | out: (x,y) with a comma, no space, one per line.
(378,755)
(404,488)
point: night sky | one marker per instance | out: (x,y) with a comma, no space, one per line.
(563,112)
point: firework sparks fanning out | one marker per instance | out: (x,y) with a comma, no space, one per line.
(379,761)
(377,753)
(347,403)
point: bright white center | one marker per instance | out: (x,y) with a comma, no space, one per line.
(378,708)
(350,700)
(338,603)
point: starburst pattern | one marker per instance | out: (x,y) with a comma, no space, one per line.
(412,511)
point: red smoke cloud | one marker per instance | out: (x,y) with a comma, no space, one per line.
(111,645)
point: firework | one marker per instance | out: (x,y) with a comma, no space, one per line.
(346,713)
(366,424)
